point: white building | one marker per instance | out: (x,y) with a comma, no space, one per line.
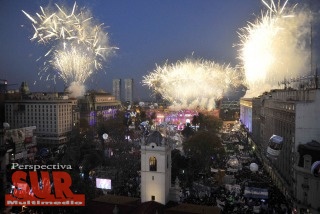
(52,114)
(155,169)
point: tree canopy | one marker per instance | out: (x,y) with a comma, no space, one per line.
(115,127)
(207,122)
(203,145)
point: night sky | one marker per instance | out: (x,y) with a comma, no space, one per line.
(146,32)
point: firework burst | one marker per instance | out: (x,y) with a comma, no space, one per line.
(77,46)
(274,46)
(192,83)
(69,62)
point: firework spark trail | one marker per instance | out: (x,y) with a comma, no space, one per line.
(274,47)
(68,63)
(192,83)
(77,46)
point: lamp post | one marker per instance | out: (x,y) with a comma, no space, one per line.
(105,137)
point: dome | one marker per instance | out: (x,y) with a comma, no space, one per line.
(154,137)
(24,88)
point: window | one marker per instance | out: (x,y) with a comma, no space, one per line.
(153,164)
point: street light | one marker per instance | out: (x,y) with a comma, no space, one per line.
(105,136)
(6,125)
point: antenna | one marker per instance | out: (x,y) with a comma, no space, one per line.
(304,82)
(311,39)
(285,82)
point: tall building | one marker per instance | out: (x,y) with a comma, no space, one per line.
(155,169)
(52,114)
(116,88)
(128,90)
(293,115)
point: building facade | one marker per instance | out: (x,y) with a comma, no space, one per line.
(95,104)
(278,118)
(24,143)
(246,113)
(306,188)
(116,88)
(250,118)
(293,115)
(155,169)
(128,90)
(52,114)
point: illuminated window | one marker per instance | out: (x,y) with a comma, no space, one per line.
(153,164)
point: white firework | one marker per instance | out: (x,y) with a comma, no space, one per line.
(274,47)
(192,83)
(77,45)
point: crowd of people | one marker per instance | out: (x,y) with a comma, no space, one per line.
(235,186)
(228,186)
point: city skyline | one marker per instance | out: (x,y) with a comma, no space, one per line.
(137,29)
(146,34)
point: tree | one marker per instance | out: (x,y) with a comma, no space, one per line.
(207,122)
(115,127)
(91,159)
(201,147)
(187,132)
(84,125)
(178,163)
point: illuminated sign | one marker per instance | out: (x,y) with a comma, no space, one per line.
(103,183)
